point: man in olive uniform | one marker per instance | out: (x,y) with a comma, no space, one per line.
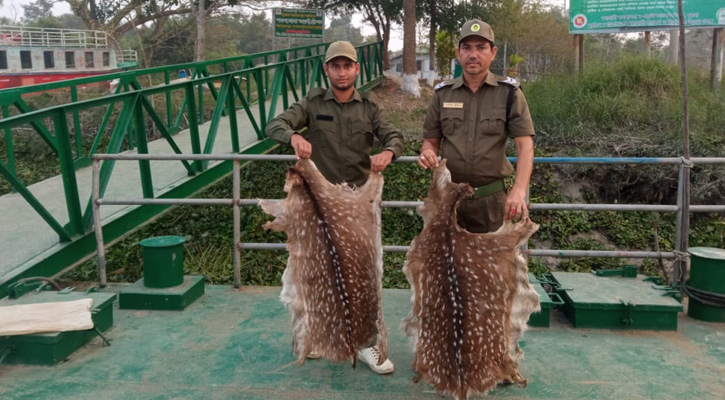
(469,120)
(342,124)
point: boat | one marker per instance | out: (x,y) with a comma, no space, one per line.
(30,56)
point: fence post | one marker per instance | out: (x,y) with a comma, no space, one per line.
(682,224)
(237,225)
(97,225)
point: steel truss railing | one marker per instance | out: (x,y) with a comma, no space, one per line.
(236,202)
(235,83)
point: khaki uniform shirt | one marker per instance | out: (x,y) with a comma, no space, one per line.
(341,134)
(473,127)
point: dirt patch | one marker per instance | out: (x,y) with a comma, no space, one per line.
(392,97)
(406,112)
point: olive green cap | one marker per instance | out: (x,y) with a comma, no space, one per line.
(341,49)
(476,27)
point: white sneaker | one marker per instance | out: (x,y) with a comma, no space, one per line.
(313,355)
(371,356)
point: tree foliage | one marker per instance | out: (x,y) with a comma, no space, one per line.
(118,17)
(380,13)
(341,29)
(256,34)
(40,9)
(446,45)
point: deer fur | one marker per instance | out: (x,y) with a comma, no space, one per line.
(333,281)
(471,296)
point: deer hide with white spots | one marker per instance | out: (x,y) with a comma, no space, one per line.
(471,296)
(333,281)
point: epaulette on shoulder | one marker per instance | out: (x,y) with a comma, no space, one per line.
(318,91)
(443,84)
(509,81)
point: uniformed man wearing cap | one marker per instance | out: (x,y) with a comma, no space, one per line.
(341,126)
(469,120)
(341,123)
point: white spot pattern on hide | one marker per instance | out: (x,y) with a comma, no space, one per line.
(473,281)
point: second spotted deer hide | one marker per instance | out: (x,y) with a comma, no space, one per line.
(471,296)
(332,284)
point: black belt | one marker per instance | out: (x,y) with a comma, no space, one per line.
(487,190)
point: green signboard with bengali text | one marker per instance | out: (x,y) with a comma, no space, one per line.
(298,23)
(607,16)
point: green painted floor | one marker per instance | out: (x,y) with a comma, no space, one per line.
(235,344)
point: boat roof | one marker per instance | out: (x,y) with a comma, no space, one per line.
(25,36)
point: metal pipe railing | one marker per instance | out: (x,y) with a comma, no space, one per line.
(236,202)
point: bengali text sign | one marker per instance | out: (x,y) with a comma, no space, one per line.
(299,23)
(597,16)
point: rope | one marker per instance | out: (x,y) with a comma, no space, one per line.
(686,162)
(681,257)
(708,298)
(106,342)
(49,281)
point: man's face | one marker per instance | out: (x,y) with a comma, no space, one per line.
(475,55)
(342,72)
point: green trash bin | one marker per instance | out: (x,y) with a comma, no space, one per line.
(163,261)
(707,282)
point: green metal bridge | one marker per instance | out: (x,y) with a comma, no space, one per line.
(213,107)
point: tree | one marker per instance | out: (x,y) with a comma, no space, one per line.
(227,31)
(342,29)
(40,9)
(166,42)
(446,52)
(201,12)
(118,17)
(380,13)
(410,75)
(255,34)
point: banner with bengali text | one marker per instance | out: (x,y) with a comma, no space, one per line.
(298,23)
(613,16)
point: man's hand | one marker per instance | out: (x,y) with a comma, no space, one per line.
(379,161)
(516,205)
(428,159)
(303,148)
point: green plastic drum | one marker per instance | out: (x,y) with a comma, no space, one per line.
(707,273)
(163,261)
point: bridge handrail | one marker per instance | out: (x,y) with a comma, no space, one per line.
(236,202)
(284,78)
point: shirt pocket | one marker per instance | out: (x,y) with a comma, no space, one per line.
(452,121)
(322,134)
(362,136)
(492,122)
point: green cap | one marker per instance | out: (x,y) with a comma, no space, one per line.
(341,49)
(476,27)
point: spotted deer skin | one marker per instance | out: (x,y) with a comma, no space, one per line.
(332,284)
(471,296)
